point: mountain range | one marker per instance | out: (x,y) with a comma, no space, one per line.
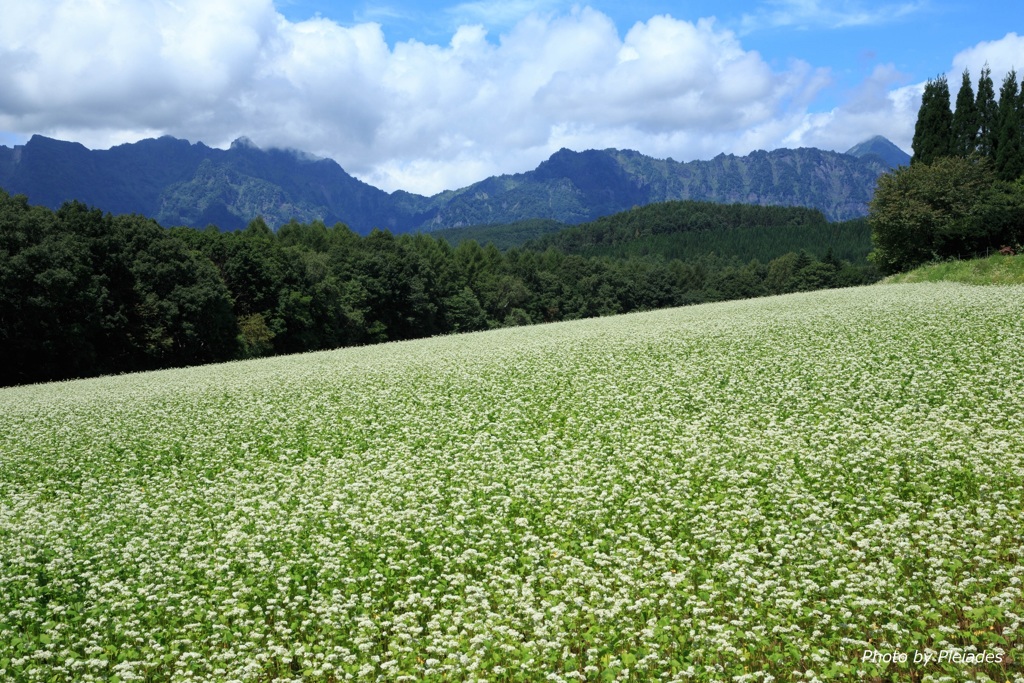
(180,183)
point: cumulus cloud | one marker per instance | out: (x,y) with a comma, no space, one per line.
(1001,56)
(417,116)
(102,68)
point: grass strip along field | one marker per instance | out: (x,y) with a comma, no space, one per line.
(807,487)
(996,269)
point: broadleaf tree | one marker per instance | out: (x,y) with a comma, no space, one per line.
(925,212)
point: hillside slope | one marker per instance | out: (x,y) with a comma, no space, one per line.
(178,183)
(993,270)
(688,230)
(575,187)
(689,494)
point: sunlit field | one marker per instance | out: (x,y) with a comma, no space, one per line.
(808,487)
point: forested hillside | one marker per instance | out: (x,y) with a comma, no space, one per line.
(504,236)
(83,292)
(683,230)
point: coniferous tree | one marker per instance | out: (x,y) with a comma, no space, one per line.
(965,119)
(934,130)
(988,111)
(1009,161)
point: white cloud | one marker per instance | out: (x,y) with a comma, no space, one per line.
(1001,55)
(882,105)
(102,66)
(412,115)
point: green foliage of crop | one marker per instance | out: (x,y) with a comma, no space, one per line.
(993,270)
(746,491)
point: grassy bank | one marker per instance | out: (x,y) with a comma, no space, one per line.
(993,270)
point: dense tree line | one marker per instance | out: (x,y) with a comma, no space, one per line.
(85,293)
(980,126)
(504,236)
(682,229)
(962,196)
(678,217)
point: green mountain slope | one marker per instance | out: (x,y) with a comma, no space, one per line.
(686,230)
(575,187)
(502,235)
(179,183)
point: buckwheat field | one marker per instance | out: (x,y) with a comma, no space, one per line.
(808,487)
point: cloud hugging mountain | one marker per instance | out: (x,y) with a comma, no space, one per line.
(179,183)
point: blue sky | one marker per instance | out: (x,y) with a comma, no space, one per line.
(427,96)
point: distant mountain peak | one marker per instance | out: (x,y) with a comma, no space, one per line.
(244,143)
(879,148)
(874,140)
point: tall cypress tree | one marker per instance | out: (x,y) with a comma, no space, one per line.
(1020,121)
(965,119)
(988,112)
(933,133)
(1009,149)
